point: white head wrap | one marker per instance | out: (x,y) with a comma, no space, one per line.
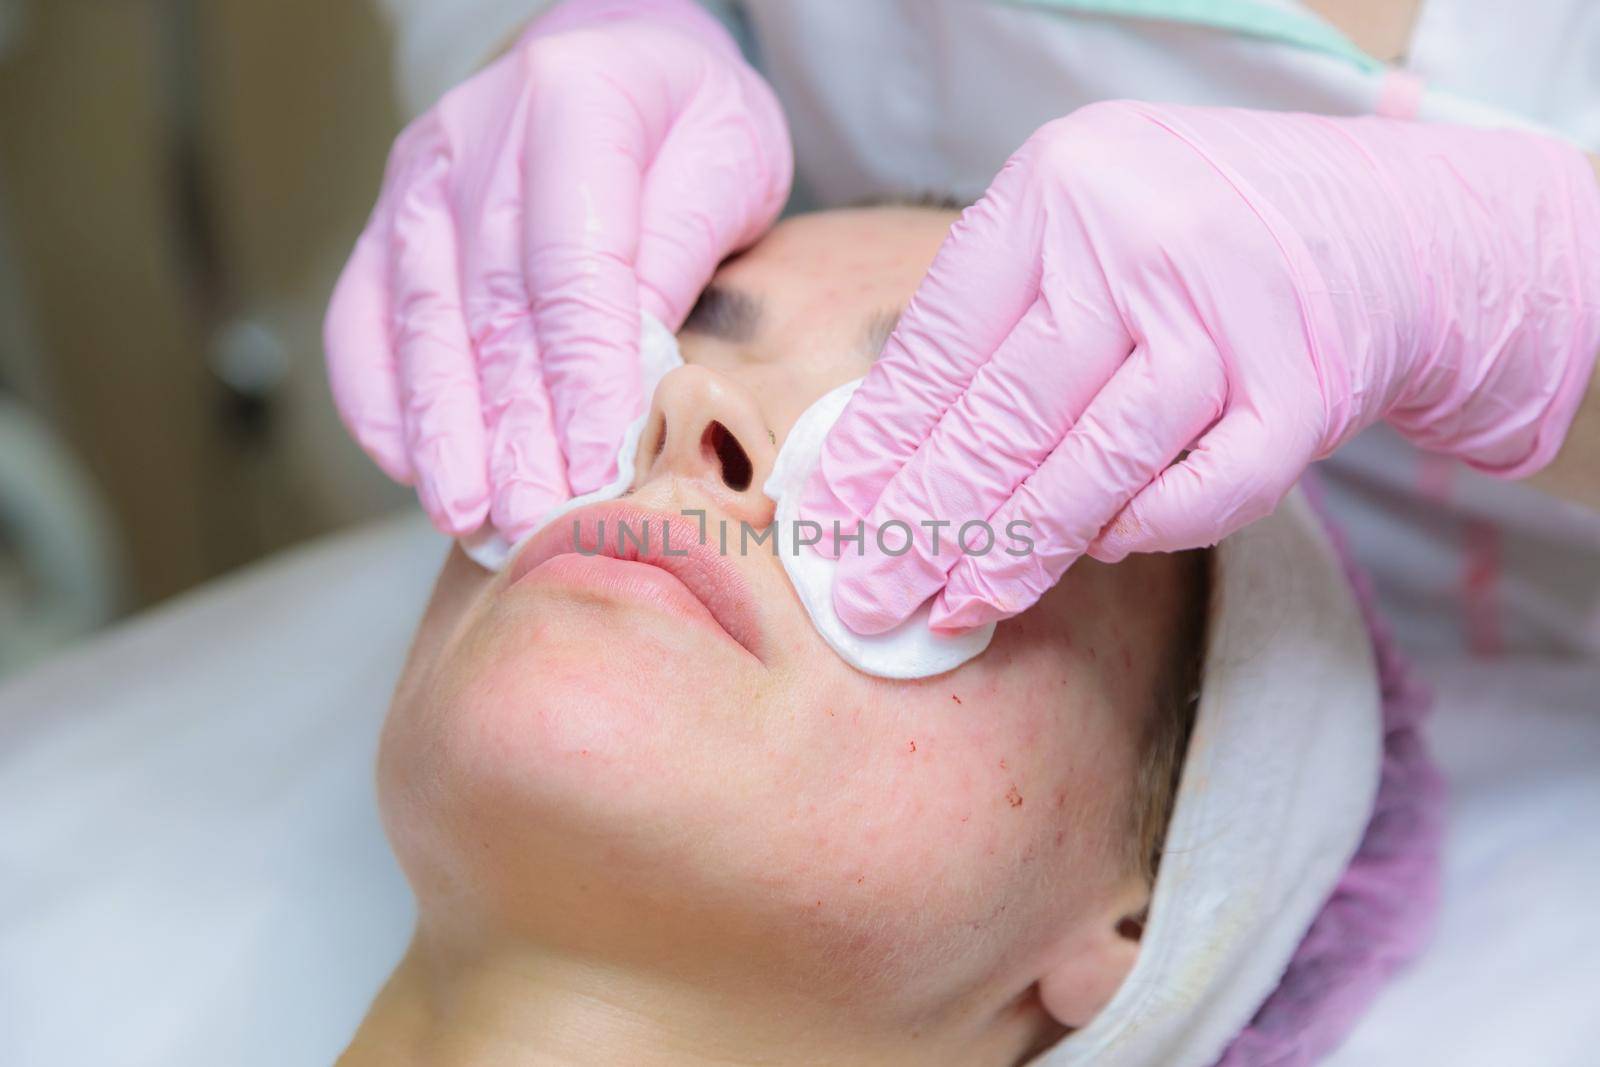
(1276,792)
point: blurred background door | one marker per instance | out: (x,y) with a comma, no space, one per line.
(179,183)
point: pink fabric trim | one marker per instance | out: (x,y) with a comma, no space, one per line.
(1380,915)
(1477,588)
(1399,95)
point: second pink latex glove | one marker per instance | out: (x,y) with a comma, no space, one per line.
(483,340)
(1248,288)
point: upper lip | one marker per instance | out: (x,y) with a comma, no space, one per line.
(711,576)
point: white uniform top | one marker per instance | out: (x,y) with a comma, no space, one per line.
(895,97)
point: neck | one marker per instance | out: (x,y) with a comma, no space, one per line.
(523,1006)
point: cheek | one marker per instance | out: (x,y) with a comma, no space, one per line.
(541,709)
(961,796)
(937,824)
(988,808)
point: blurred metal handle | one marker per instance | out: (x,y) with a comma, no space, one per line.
(60,534)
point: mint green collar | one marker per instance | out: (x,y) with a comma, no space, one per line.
(1253,17)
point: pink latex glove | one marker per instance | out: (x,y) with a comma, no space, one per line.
(483,340)
(1255,287)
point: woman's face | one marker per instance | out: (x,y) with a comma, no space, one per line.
(676,772)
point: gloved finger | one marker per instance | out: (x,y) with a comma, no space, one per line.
(1019,407)
(981,283)
(1137,424)
(582,235)
(527,471)
(708,194)
(681,240)
(361,363)
(1236,474)
(439,391)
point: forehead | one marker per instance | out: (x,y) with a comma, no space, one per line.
(838,267)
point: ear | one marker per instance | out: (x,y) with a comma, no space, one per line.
(1089,963)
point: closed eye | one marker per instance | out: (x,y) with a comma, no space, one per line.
(725,315)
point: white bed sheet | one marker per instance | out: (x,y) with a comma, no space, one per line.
(192,869)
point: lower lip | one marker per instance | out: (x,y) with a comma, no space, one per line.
(626,581)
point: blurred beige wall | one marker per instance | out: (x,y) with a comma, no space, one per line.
(180,182)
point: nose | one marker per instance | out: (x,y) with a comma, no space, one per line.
(707,429)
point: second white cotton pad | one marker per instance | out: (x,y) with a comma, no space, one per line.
(910,650)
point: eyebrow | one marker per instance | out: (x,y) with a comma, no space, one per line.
(735,316)
(725,314)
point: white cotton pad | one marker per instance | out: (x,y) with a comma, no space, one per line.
(658,355)
(910,650)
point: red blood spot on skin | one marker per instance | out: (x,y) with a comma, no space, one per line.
(1127,660)
(1061,798)
(1061,836)
(913,746)
(1002,765)
(863,878)
(955,698)
(583,752)
(1013,797)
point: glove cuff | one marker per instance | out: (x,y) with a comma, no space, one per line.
(1582,348)
(1515,326)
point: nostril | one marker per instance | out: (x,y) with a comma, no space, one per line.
(661,441)
(719,445)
